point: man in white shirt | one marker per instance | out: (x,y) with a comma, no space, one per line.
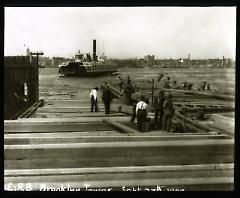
(141,111)
(93,98)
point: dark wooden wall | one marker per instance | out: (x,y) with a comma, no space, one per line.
(19,72)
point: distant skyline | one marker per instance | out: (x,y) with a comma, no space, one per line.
(122,32)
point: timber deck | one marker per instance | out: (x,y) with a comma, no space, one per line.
(63,143)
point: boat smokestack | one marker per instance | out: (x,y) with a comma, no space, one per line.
(94,50)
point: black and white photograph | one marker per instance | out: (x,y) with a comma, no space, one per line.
(124,98)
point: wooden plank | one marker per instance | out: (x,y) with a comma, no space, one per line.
(224,120)
(66,171)
(55,127)
(109,133)
(109,176)
(118,153)
(105,134)
(223,124)
(31,109)
(133,160)
(65,115)
(67,109)
(27,121)
(69,103)
(193,122)
(8,140)
(174,143)
(62,134)
(121,127)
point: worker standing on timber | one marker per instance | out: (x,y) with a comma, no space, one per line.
(167,83)
(208,87)
(107,98)
(120,83)
(93,98)
(141,111)
(190,85)
(203,86)
(184,84)
(174,85)
(158,109)
(128,91)
(168,111)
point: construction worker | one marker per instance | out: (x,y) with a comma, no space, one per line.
(120,83)
(134,104)
(107,98)
(174,85)
(158,109)
(167,83)
(185,84)
(208,87)
(168,111)
(93,98)
(128,78)
(128,91)
(141,112)
(203,86)
(190,85)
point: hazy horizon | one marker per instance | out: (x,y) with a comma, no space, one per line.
(122,32)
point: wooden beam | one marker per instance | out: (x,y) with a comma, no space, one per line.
(121,127)
(76,138)
(64,171)
(108,154)
(55,127)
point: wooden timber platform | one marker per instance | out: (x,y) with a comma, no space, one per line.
(64,145)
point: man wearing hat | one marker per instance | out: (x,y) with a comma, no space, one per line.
(141,111)
(128,91)
(168,110)
(107,98)
(158,109)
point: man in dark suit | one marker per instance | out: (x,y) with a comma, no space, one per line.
(107,98)
(168,111)
(158,109)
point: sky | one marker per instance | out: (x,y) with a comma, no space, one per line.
(122,32)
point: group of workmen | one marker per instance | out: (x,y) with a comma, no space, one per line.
(163,105)
(163,112)
(163,108)
(185,85)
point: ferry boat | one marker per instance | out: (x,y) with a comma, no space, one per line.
(85,65)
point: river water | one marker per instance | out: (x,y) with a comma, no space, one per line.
(52,86)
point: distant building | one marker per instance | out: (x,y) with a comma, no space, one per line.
(45,61)
(57,60)
(28,53)
(141,62)
(150,60)
(188,62)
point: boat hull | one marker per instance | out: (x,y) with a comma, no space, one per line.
(86,71)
